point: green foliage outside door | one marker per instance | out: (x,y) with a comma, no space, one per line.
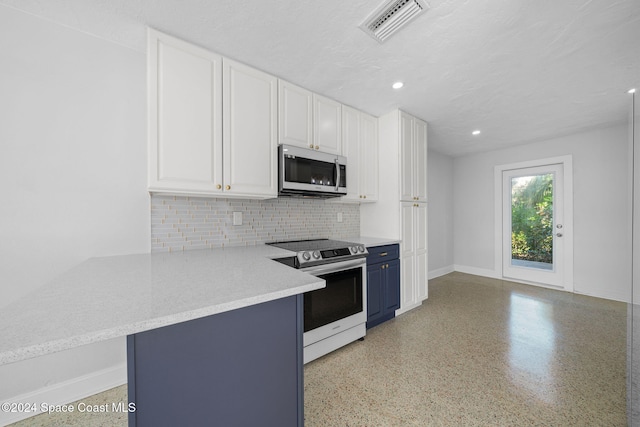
(532,218)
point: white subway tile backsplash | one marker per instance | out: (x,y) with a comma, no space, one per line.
(183,223)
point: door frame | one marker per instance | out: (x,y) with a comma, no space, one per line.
(567,164)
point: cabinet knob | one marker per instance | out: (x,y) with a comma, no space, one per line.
(387,265)
(218,186)
(227,187)
(382,266)
(364,197)
(310,145)
(361,196)
(317,147)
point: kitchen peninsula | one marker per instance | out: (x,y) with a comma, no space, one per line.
(199,327)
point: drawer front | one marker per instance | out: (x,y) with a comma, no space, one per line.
(383,253)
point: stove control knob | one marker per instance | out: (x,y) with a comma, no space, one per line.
(361,248)
(316,254)
(306,256)
(353,250)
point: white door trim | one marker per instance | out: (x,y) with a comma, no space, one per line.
(567,163)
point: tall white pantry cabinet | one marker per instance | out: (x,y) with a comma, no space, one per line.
(401,210)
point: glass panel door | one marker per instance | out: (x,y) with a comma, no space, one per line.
(532,224)
(532,221)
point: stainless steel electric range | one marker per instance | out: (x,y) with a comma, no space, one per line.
(335,315)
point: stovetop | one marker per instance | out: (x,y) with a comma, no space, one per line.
(311,245)
(319,251)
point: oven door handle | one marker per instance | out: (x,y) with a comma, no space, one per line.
(335,266)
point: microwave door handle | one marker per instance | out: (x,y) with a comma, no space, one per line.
(337,175)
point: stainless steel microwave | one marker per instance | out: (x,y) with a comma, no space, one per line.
(308,173)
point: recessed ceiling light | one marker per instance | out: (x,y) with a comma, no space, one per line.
(397,85)
(632,90)
(475,132)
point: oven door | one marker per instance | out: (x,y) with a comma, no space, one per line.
(340,305)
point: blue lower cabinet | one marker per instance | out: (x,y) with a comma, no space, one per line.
(392,286)
(375,293)
(383,284)
(239,368)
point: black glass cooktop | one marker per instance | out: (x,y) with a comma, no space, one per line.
(311,245)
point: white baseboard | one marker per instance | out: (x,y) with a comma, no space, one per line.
(477,271)
(440,272)
(67,391)
(611,296)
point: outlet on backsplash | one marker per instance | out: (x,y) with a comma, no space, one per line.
(237,218)
(339,216)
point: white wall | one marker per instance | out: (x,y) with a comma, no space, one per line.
(601,208)
(72,168)
(440,198)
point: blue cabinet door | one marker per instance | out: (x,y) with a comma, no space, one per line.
(375,293)
(392,288)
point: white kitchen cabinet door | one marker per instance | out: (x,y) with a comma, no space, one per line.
(408,297)
(421,251)
(327,125)
(413,255)
(250,131)
(407,162)
(295,115)
(368,156)
(360,147)
(185,116)
(420,167)
(351,150)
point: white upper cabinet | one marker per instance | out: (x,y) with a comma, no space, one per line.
(185,116)
(413,157)
(360,146)
(368,157)
(420,166)
(327,129)
(198,144)
(250,105)
(295,115)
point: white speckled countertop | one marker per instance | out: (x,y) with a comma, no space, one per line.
(372,241)
(108,297)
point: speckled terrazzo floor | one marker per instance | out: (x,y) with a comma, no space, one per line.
(479,352)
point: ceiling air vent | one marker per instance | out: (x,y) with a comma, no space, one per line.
(391,17)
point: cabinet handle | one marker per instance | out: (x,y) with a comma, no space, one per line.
(228,187)
(218,186)
(383,253)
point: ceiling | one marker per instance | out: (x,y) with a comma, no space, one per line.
(518,70)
